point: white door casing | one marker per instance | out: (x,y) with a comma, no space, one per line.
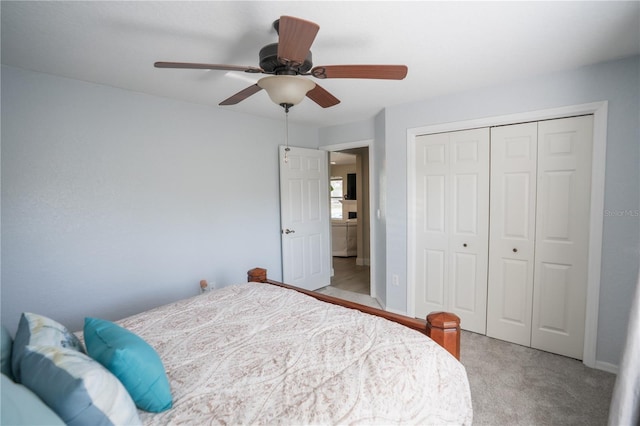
(512,232)
(451,211)
(304,216)
(562,235)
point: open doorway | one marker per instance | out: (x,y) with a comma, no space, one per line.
(350,225)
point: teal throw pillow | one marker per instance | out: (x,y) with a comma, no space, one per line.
(132,360)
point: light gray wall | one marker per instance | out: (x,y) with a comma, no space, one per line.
(617,82)
(114,202)
(351,132)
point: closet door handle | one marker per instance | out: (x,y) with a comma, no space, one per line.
(464,245)
(515,250)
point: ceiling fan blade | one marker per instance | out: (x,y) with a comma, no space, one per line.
(295,38)
(242,95)
(381,72)
(323,98)
(189,65)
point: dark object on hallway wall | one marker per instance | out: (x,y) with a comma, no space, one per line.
(351,187)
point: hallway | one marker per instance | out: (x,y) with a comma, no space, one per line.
(350,282)
(349,276)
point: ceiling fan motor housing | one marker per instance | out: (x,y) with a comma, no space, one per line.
(271,65)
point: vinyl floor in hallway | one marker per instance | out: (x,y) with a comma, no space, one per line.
(350,282)
(349,276)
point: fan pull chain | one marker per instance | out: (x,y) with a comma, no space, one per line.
(286,135)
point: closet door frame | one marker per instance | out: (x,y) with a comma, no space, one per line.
(600,113)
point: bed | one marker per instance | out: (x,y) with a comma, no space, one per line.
(263,352)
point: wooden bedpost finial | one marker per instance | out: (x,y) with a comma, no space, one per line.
(257,275)
(444,328)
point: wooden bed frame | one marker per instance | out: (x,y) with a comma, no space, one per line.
(442,327)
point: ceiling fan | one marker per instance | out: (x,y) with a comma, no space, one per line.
(288,61)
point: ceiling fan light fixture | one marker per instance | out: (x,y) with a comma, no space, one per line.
(286,89)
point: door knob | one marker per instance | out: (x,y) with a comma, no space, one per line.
(464,245)
(289,231)
(515,250)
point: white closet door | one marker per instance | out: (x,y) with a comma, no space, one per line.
(562,235)
(469,233)
(452,197)
(432,223)
(512,232)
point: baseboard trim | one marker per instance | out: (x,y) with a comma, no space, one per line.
(607,366)
(395,311)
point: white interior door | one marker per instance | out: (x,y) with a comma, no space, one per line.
(512,232)
(304,215)
(562,235)
(452,217)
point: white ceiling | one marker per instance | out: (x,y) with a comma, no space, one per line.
(448,46)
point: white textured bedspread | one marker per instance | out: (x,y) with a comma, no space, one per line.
(259,354)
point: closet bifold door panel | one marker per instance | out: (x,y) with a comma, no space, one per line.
(452,219)
(539,233)
(562,235)
(512,232)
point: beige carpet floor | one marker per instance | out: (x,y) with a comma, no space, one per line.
(516,385)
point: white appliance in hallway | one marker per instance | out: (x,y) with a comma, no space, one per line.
(344,237)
